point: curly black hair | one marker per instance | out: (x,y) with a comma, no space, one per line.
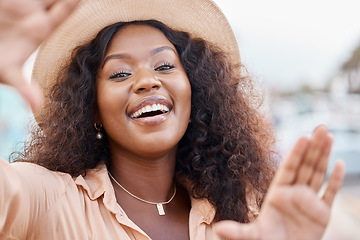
(226,153)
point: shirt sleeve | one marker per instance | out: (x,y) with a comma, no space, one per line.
(27,191)
(10,199)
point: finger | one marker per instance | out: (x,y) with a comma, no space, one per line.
(319,174)
(236,231)
(335,182)
(49,3)
(33,94)
(312,155)
(60,10)
(287,172)
(30,92)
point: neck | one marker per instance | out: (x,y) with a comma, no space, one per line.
(151,179)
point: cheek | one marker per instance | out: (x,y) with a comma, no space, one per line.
(181,86)
(111,100)
(182,90)
(186,94)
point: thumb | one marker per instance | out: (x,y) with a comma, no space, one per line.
(30,92)
(236,231)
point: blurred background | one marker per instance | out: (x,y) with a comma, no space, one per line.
(306,56)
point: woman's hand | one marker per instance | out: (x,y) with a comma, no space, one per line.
(24,24)
(292,208)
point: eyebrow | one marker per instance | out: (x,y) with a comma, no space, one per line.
(126,56)
(116,56)
(160,49)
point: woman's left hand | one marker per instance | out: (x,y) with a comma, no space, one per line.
(293,208)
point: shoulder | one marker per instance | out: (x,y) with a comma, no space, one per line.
(40,181)
(31,191)
(33,171)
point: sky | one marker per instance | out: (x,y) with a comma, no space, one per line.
(288,44)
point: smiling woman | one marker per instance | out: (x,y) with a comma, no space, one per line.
(150,129)
(151,74)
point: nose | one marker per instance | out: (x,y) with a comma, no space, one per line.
(146,81)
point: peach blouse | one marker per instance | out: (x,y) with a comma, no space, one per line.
(36,203)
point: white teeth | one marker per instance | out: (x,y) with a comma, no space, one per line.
(148,108)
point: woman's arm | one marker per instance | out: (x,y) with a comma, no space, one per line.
(24,24)
(293,209)
(27,193)
(10,199)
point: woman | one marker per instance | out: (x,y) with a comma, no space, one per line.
(147,131)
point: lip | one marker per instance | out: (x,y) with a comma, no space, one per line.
(150,100)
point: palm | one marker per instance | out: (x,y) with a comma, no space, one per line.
(24,24)
(292,208)
(294,216)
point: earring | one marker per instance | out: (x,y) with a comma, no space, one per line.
(99,135)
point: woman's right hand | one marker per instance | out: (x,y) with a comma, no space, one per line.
(24,24)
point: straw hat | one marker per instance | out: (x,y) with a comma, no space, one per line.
(200,18)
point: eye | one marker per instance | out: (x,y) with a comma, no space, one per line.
(120,75)
(165,67)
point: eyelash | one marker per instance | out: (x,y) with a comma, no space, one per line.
(117,75)
(167,65)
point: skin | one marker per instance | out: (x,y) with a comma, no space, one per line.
(142,67)
(24,25)
(293,206)
(293,209)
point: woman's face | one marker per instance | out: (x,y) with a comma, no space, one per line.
(143,93)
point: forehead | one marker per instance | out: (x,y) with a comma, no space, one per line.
(132,36)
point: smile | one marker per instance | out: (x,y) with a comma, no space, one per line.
(150,111)
(153,108)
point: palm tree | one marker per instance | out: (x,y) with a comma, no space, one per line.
(351,68)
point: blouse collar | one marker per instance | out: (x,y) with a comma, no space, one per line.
(96,183)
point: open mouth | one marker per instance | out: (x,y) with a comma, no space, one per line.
(150,111)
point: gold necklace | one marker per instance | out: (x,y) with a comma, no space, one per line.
(159,205)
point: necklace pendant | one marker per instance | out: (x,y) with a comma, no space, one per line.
(160,209)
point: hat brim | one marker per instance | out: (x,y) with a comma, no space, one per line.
(200,18)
